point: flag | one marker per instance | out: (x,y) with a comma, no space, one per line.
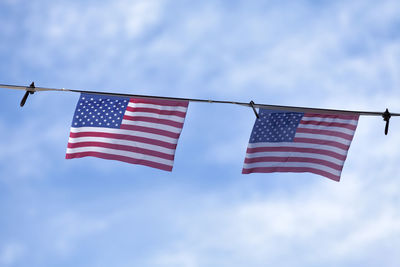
(137,131)
(300,142)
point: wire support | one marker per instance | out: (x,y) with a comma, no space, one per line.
(31,89)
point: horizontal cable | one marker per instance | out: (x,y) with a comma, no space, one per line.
(264,106)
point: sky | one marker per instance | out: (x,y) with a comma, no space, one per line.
(94,212)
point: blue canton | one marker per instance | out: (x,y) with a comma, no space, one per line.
(99,111)
(275,126)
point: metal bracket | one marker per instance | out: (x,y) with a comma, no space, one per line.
(29,90)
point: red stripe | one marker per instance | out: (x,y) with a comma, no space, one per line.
(176,103)
(120,158)
(150,130)
(332,116)
(157,111)
(291,169)
(124,137)
(321,142)
(123,148)
(295,159)
(331,124)
(325,132)
(297,149)
(154,120)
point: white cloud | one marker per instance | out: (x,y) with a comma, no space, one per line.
(27,148)
(10,253)
(323,224)
(69,228)
(178,258)
(75,22)
(140,15)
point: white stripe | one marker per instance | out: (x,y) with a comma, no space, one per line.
(155,115)
(323,137)
(292,164)
(120,153)
(328,128)
(295,154)
(300,145)
(336,120)
(122,142)
(160,107)
(153,125)
(125,132)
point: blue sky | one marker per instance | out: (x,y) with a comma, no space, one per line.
(93,212)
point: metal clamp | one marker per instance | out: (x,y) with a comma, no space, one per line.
(29,90)
(254,109)
(386,117)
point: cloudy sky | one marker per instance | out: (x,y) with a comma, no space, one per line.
(93,212)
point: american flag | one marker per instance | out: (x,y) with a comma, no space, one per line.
(137,131)
(300,142)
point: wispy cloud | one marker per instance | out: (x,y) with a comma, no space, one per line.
(340,225)
(10,253)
